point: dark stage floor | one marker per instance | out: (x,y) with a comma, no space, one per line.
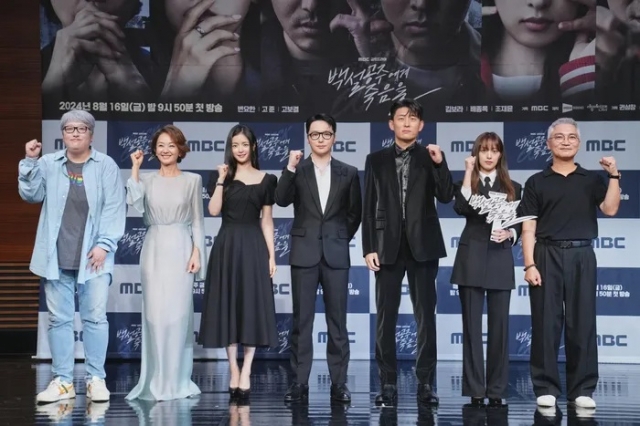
(618,398)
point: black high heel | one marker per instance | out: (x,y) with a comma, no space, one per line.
(233,391)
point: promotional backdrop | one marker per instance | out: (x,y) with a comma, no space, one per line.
(327,66)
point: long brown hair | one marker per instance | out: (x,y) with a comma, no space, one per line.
(483,142)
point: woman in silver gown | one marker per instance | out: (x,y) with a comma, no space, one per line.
(173,255)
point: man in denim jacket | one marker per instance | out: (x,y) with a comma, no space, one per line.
(82,218)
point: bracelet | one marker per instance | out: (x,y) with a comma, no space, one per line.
(533,265)
(219,184)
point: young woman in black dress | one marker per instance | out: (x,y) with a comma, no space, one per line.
(239,306)
(484,266)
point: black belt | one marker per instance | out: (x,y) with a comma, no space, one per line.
(565,244)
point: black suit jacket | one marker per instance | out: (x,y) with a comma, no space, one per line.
(479,261)
(382,213)
(314,234)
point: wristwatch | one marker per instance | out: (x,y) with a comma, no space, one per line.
(618,176)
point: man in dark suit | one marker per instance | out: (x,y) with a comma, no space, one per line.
(401,233)
(327,204)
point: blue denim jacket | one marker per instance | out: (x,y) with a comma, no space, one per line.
(45,181)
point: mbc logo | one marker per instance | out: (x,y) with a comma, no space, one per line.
(344,146)
(611,340)
(78,336)
(456,338)
(58,144)
(609,243)
(455,241)
(284,289)
(539,108)
(130,288)
(606,145)
(523,290)
(208,240)
(323,337)
(206,146)
(405,290)
(462,146)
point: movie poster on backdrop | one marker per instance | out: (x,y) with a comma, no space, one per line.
(275,60)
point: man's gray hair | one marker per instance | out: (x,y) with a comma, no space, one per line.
(78,115)
(563,120)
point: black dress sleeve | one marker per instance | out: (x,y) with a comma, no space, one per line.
(270,184)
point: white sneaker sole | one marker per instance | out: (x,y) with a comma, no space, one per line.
(93,399)
(64,397)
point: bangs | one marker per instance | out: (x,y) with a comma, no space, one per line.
(490,143)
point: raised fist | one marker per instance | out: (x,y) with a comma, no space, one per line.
(136,158)
(435,153)
(294,158)
(222,171)
(470,162)
(32,148)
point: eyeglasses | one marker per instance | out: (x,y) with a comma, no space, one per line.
(560,137)
(314,136)
(71,129)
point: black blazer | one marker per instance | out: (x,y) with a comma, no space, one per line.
(314,234)
(382,212)
(479,261)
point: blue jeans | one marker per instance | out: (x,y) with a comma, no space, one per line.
(92,300)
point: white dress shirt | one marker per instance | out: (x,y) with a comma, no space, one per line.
(323,180)
(466,193)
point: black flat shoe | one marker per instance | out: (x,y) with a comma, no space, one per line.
(388,396)
(340,393)
(426,395)
(232,391)
(297,392)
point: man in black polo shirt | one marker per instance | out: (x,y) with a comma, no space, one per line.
(560,265)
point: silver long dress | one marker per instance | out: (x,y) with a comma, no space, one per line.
(173,213)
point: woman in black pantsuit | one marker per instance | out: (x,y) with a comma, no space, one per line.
(484,265)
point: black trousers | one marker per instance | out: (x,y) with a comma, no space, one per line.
(335,289)
(473,377)
(566,297)
(422,289)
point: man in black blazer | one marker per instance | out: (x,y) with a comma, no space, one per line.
(401,233)
(327,204)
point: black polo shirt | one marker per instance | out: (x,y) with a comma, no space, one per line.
(566,206)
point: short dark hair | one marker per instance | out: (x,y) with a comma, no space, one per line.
(414,107)
(322,117)
(176,136)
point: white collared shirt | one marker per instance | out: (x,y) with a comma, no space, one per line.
(466,192)
(323,181)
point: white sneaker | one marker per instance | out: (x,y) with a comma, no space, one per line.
(585,402)
(546,401)
(56,391)
(97,390)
